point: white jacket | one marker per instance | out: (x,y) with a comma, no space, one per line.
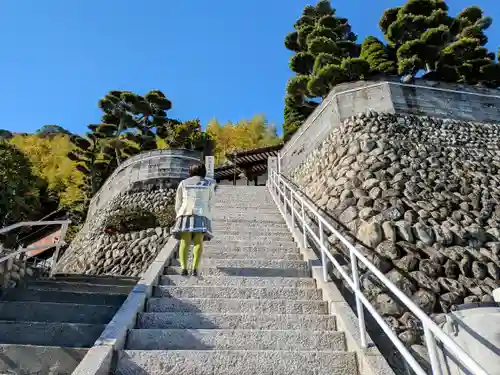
(194,197)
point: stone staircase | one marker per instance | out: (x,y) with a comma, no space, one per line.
(48,324)
(254,309)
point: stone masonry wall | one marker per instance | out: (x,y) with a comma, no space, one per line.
(12,272)
(421,196)
(95,252)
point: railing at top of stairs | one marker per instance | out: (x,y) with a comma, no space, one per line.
(286,197)
(22,251)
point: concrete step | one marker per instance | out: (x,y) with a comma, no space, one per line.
(232,305)
(239,293)
(255,239)
(50,334)
(220,254)
(56,312)
(235,206)
(245,217)
(243,200)
(238,271)
(21,294)
(242,194)
(264,208)
(98,280)
(235,321)
(251,263)
(265,227)
(238,199)
(246,188)
(241,362)
(265,245)
(250,234)
(65,286)
(220,339)
(246,247)
(246,232)
(39,360)
(235,197)
(246,213)
(239,282)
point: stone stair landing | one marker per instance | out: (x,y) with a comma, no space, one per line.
(254,309)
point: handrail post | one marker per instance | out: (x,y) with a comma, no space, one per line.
(55,256)
(359,304)
(430,341)
(304,234)
(279,162)
(324,259)
(292,210)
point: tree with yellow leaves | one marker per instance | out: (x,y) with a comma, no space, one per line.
(244,135)
(49,157)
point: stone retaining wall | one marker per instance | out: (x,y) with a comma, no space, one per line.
(12,272)
(147,181)
(95,252)
(421,198)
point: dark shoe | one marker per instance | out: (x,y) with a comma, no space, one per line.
(194,273)
(184,273)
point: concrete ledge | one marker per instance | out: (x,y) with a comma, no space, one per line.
(98,359)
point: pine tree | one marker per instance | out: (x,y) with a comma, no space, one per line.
(465,59)
(116,120)
(295,115)
(95,159)
(418,31)
(130,120)
(325,55)
(378,56)
(187,134)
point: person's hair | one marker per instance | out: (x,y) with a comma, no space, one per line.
(198,169)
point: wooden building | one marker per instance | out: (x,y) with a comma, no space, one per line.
(246,167)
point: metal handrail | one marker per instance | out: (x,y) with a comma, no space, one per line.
(431,329)
(64,228)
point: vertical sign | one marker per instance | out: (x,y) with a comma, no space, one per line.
(209,164)
(272,164)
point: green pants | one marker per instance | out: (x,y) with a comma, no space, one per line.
(185,242)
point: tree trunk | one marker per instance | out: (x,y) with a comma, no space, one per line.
(117,139)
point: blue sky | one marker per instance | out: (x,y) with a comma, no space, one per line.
(212,58)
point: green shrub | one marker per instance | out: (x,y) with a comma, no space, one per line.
(131,219)
(166,217)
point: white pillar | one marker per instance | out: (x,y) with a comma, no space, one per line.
(272,165)
(278,164)
(496,295)
(209,164)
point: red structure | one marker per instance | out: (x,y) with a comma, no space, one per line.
(49,240)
